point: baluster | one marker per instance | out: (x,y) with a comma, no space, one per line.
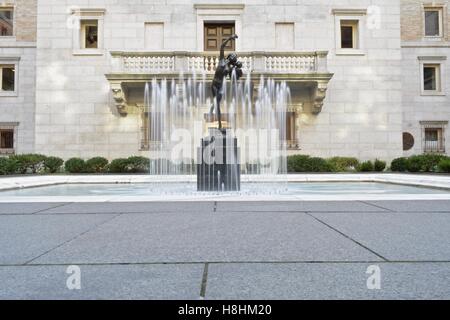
(297,64)
(291,63)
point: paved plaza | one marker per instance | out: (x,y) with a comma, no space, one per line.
(226,250)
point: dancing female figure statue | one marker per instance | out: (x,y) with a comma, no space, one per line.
(225,69)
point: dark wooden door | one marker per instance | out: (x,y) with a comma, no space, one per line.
(216,34)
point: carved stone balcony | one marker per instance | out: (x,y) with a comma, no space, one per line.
(302,69)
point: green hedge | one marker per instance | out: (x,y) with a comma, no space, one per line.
(118,165)
(303,163)
(343,164)
(97,165)
(399,165)
(75,165)
(366,166)
(379,166)
(419,163)
(53,164)
(134,164)
(36,164)
(444,165)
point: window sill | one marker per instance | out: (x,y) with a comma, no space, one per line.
(433,94)
(7,151)
(88,52)
(433,38)
(8,94)
(350,52)
(7,39)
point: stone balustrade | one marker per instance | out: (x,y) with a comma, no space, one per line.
(204,62)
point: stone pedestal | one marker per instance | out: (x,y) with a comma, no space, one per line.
(218,167)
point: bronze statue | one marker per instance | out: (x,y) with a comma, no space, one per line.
(225,69)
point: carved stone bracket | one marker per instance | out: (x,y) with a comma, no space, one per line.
(319,97)
(296,108)
(119,97)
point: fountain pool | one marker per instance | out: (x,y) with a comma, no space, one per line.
(187,190)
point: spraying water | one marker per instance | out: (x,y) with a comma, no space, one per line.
(178,112)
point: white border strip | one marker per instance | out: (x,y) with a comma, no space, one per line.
(430,181)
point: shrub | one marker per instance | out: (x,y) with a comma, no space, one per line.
(97,165)
(302,163)
(138,165)
(118,166)
(75,165)
(366,166)
(424,163)
(343,164)
(8,166)
(399,165)
(3,166)
(29,163)
(297,163)
(444,165)
(53,164)
(379,165)
(319,165)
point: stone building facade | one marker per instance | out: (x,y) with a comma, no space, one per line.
(426,76)
(355,68)
(18,75)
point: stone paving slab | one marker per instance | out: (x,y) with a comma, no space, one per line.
(103,282)
(199,237)
(133,207)
(397,236)
(414,206)
(327,281)
(297,206)
(26,208)
(25,237)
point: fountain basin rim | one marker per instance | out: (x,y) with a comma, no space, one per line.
(430,181)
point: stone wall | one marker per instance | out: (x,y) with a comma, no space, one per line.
(418,107)
(412,19)
(26,20)
(75,114)
(21,108)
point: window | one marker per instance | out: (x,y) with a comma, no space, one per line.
(7,139)
(6,22)
(289,135)
(88,38)
(349,28)
(349,34)
(433,22)
(216,34)
(152,124)
(89,34)
(7,78)
(434,140)
(431,77)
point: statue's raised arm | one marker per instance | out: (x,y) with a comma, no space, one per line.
(224,44)
(224,69)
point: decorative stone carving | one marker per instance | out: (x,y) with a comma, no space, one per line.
(319,97)
(296,108)
(119,98)
(299,69)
